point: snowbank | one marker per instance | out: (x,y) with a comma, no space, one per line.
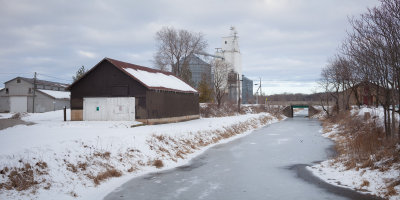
(71,157)
(365,180)
(5,115)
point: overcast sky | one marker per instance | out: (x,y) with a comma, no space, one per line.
(285,42)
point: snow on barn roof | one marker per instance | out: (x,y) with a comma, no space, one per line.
(152,78)
(158,80)
(57,94)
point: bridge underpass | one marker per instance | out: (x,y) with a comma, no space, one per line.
(288,110)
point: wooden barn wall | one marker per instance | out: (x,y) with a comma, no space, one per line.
(162,104)
(107,81)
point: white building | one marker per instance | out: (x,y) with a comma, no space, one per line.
(19,95)
(230,51)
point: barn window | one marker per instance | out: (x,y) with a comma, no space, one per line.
(7,91)
(226,42)
(18,80)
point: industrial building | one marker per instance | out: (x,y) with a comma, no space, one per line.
(230,52)
(20,95)
(247,90)
(199,69)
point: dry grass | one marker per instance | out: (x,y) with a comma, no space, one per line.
(364,145)
(229,109)
(16,116)
(391,191)
(173,148)
(109,173)
(104,155)
(82,165)
(212,110)
(73,194)
(132,169)
(365,183)
(71,167)
(24,177)
(158,163)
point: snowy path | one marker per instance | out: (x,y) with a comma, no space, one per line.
(263,165)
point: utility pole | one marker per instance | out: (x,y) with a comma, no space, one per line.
(258,95)
(34,93)
(260,88)
(238,83)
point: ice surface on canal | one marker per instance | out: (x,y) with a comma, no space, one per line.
(254,167)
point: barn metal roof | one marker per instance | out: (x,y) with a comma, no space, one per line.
(152,78)
(173,83)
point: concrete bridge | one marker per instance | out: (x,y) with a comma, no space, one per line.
(288,103)
(288,110)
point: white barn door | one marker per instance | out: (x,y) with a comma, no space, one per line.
(109,109)
(18,104)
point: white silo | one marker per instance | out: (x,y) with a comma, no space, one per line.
(230,51)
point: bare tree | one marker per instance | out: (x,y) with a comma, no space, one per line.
(331,82)
(370,55)
(220,70)
(174,47)
(325,96)
(375,47)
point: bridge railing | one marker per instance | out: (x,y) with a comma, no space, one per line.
(288,103)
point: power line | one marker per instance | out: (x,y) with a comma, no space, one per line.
(9,73)
(69,80)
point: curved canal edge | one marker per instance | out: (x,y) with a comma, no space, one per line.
(303,173)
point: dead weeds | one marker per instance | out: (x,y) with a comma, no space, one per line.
(171,148)
(25,177)
(109,173)
(158,163)
(363,145)
(229,109)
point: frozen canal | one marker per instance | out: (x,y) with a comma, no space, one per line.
(267,164)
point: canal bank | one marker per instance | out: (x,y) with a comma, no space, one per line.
(263,165)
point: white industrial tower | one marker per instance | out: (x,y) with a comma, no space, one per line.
(231,53)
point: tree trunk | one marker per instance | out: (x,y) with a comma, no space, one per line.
(385,120)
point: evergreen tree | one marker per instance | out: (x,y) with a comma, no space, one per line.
(81,71)
(205,90)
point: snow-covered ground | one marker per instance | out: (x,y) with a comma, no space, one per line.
(365,180)
(5,115)
(67,158)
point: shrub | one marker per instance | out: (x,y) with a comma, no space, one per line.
(230,109)
(365,183)
(111,172)
(158,163)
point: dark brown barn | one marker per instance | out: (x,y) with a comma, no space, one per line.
(105,93)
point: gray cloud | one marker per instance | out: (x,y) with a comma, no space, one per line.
(287,40)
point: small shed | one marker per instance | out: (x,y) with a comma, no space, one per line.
(116,90)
